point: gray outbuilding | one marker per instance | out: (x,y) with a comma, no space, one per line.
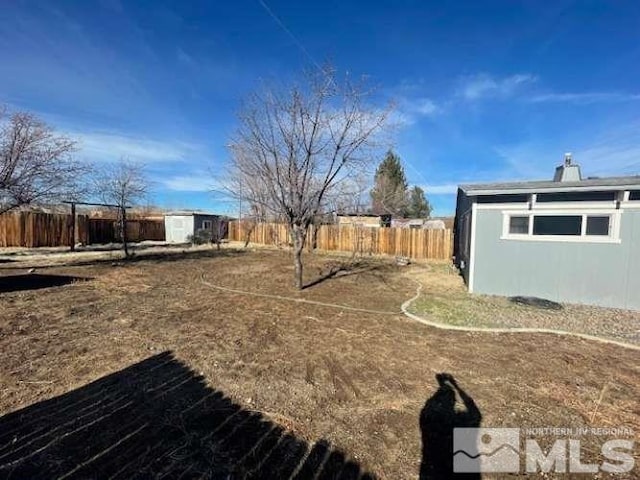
(180,227)
(568,240)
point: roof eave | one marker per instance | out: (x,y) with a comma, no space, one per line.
(470,191)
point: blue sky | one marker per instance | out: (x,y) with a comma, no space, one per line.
(485,91)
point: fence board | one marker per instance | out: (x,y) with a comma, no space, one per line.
(35,229)
(418,244)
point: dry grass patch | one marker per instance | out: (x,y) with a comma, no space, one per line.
(445,300)
(359,380)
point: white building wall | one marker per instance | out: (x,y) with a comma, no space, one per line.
(178,228)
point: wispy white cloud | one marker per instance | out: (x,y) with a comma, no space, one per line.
(111,146)
(410,110)
(483,85)
(612,153)
(184,57)
(413,102)
(424,106)
(527,161)
(583,98)
(189,183)
(443,189)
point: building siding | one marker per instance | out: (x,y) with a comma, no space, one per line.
(178,228)
(200,218)
(462,234)
(604,274)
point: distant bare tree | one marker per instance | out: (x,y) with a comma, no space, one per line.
(122,184)
(351,197)
(36,163)
(254,197)
(294,146)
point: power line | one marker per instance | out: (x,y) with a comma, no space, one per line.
(290,34)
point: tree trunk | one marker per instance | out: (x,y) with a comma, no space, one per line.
(247,238)
(73,227)
(123,231)
(299,234)
(218,233)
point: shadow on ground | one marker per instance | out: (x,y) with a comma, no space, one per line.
(438,419)
(162,256)
(345,269)
(157,419)
(35,281)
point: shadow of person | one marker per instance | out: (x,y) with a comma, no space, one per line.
(438,418)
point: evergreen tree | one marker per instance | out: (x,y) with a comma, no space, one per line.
(419,206)
(389,193)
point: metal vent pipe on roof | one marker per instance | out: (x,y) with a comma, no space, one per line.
(568,171)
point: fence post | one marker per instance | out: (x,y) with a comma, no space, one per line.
(73,227)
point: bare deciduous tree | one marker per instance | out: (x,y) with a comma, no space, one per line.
(294,146)
(36,164)
(122,184)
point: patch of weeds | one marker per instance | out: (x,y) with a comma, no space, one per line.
(459,311)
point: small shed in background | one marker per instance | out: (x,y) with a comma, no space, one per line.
(357,220)
(418,223)
(180,227)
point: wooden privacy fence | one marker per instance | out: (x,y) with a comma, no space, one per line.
(32,229)
(419,244)
(104,230)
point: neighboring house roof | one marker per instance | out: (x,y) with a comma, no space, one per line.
(409,221)
(363,215)
(605,183)
(190,213)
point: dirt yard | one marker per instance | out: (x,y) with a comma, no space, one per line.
(357,378)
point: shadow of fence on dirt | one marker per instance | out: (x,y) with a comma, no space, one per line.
(34,281)
(157,419)
(158,257)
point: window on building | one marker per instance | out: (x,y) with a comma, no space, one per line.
(557,225)
(206,224)
(519,225)
(598,225)
(634,195)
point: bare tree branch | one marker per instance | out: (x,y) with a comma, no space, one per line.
(36,164)
(295,147)
(123,184)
